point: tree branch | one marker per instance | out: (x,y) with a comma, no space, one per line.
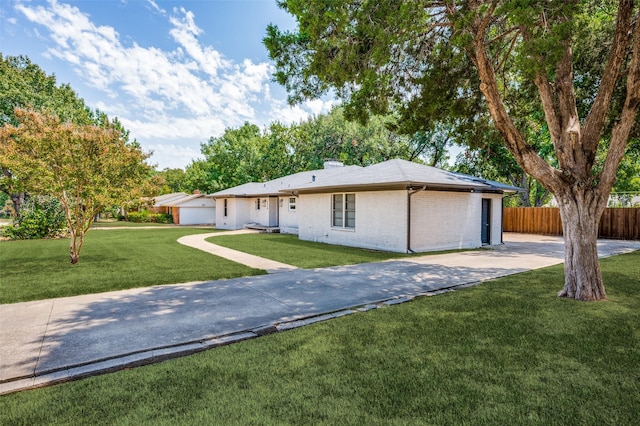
(528,159)
(622,129)
(594,122)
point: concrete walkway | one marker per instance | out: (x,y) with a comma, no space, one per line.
(198,241)
(56,340)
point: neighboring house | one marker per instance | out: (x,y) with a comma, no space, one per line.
(267,204)
(396,205)
(195,209)
(161,203)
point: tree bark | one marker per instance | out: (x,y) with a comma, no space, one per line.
(75,245)
(581,203)
(18,200)
(583,278)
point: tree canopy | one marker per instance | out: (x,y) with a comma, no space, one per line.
(86,167)
(249,154)
(506,64)
(24,84)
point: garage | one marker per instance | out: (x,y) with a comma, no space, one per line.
(197,209)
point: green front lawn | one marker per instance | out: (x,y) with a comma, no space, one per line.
(110,260)
(127,224)
(303,254)
(504,352)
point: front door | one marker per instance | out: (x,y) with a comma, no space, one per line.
(273,211)
(486,221)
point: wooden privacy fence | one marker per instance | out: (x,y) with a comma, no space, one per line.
(622,223)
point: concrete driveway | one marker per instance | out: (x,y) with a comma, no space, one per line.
(55,340)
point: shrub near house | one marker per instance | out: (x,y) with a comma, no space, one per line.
(147,217)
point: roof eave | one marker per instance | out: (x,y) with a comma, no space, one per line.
(393,186)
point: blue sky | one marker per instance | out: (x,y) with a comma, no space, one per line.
(174,72)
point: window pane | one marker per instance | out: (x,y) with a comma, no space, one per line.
(351,201)
(337,210)
(337,218)
(351,219)
(337,202)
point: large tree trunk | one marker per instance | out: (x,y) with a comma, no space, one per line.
(581,193)
(583,278)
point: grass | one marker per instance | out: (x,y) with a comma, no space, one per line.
(126,224)
(110,260)
(303,254)
(504,352)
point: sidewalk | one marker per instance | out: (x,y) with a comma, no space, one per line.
(198,241)
(55,340)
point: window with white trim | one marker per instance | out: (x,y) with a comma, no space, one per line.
(292,203)
(225,207)
(343,209)
(258,204)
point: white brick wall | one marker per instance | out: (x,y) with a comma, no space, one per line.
(496,217)
(260,217)
(439,220)
(288,218)
(445,220)
(237,213)
(380,221)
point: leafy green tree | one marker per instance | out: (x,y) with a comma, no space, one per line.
(88,168)
(235,155)
(497,163)
(200,175)
(5,204)
(431,146)
(449,61)
(247,154)
(24,84)
(333,136)
(171,180)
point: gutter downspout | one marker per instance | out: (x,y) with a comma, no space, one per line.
(409,194)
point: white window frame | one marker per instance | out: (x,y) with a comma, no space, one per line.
(340,217)
(292,204)
(258,204)
(225,207)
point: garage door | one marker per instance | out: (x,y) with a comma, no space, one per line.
(197,215)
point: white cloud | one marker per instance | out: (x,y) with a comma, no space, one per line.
(172,156)
(190,80)
(287,114)
(319,106)
(165,127)
(189,92)
(157,8)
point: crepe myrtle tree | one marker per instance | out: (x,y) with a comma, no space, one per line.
(24,84)
(88,168)
(460,60)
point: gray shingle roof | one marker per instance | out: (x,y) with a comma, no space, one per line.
(398,173)
(285,183)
